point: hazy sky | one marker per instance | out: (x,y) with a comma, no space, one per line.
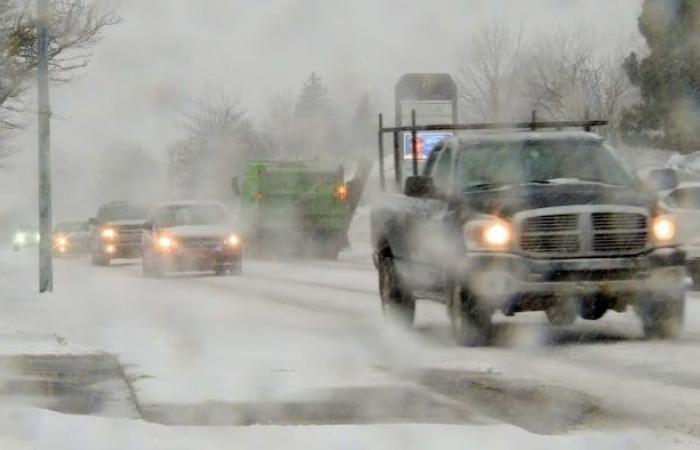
(165,51)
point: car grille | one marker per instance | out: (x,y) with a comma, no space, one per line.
(129,233)
(584,234)
(200,243)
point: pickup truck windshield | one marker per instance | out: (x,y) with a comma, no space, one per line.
(184,215)
(508,163)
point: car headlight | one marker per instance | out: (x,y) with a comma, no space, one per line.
(664,228)
(108,233)
(166,242)
(61,241)
(20,238)
(233,240)
(488,234)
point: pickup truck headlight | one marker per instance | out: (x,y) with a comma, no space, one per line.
(166,242)
(109,233)
(233,240)
(663,229)
(488,234)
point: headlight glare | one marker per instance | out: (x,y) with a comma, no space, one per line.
(664,228)
(109,233)
(166,242)
(233,240)
(492,234)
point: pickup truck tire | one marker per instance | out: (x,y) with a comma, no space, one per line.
(470,321)
(562,314)
(662,319)
(398,303)
(694,272)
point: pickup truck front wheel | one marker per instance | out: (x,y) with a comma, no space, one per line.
(398,303)
(662,319)
(471,322)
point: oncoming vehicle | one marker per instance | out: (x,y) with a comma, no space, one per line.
(71,238)
(116,232)
(528,221)
(25,237)
(197,236)
(684,202)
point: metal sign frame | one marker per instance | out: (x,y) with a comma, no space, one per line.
(533,125)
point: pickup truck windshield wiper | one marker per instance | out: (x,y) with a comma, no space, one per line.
(483,186)
(489,186)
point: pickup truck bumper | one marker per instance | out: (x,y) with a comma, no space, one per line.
(508,280)
(201,259)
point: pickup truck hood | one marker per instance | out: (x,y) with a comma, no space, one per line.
(507,201)
(217,231)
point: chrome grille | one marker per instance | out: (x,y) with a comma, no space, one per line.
(587,231)
(551,234)
(561,244)
(615,221)
(619,242)
(551,223)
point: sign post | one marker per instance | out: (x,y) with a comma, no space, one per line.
(44,136)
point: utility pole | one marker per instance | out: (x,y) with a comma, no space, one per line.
(44,127)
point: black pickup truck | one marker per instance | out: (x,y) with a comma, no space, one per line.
(527,220)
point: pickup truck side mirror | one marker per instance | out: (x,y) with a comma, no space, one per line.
(92,221)
(419,186)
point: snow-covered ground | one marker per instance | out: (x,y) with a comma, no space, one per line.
(297,350)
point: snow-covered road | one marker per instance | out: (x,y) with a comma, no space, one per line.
(303,342)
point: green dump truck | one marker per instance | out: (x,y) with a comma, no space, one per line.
(298,208)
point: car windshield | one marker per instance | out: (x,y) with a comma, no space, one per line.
(687,198)
(508,163)
(181,215)
(121,212)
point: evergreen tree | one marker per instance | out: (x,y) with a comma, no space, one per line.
(669,77)
(313,98)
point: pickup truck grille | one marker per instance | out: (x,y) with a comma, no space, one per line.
(584,234)
(200,243)
(129,234)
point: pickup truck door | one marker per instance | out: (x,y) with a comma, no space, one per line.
(429,240)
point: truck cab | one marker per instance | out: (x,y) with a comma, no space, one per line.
(523,221)
(116,232)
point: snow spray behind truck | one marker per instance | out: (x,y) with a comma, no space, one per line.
(298,208)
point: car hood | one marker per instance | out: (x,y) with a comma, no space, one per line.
(121,223)
(217,231)
(510,200)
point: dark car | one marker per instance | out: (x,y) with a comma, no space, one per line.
(528,221)
(116,232)
(190,236)
(71,238)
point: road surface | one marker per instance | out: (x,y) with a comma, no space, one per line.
(303,343)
